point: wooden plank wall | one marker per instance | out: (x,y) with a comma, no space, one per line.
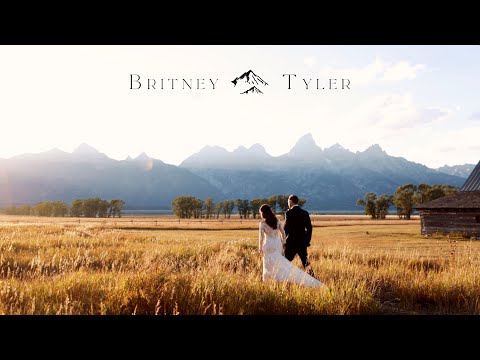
(450,222)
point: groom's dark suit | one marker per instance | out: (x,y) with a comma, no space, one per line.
(298,231)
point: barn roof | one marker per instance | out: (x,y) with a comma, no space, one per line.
(473,181)
(458,200)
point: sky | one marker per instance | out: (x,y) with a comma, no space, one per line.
(416,102)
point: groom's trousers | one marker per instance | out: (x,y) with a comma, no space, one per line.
(291,251)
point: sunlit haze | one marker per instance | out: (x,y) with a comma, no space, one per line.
(417,102)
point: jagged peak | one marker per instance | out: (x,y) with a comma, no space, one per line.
(241,148)
(257,148)
(215,148)
(305,143)
(375,148)
(84,148)
(337,149)
(336,146)
(307,138)
(143,156)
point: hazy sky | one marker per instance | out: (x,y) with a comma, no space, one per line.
(418,102)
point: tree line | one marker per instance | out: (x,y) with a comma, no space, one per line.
(187,206)
(405,198)
(91,207)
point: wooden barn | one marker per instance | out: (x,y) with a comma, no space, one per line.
(458,213)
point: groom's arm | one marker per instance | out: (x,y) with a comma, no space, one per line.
(308,227)
(282,232)
(286,227)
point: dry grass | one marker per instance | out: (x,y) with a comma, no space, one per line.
(120,266)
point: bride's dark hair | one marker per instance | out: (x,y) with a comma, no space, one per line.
(269,216)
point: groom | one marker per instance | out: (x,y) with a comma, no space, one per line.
(298,231)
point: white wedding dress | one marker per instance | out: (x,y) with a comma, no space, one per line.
(275,265)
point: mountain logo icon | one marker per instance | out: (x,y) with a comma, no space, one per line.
(253,89)
(249,82)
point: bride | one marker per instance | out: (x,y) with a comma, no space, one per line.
(270,244)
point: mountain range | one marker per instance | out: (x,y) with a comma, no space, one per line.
(331,179)
(459,170)
(55,175)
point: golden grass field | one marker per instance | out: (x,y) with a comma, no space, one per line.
(160,265)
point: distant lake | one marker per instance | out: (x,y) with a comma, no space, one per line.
(147,212)
(170,212)
(336,212)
